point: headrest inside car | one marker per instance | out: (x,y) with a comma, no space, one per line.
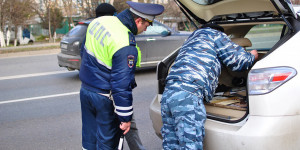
(244,42)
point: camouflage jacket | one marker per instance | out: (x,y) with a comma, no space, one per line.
(199,60)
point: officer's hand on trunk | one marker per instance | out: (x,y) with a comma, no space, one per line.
(125,126)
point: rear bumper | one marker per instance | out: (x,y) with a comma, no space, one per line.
(69,61)
(258,132)
(255,132)
(155,115)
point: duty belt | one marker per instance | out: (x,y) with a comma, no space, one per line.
(107,95)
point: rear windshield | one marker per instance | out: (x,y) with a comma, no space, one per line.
(264,36)
(78,30)
(155,29)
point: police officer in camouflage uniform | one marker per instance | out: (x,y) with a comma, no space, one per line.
(194,78)
(109,58)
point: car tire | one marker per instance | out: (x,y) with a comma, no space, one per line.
(30,42)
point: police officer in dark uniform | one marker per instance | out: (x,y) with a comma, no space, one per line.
(109,59)
(105,9)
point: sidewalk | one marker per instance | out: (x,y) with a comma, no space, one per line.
(25,50)
(33,45)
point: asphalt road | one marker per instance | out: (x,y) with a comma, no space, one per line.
(40,107)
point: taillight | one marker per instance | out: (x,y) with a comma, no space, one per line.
(262,81)
(75,46)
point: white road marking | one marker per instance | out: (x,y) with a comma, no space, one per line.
(33,75)
(38,98)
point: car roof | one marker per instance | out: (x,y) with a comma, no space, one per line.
(86,21)
(210,11)
(89,20)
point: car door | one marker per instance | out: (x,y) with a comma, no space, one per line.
(157,42)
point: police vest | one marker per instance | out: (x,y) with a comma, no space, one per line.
(106,36)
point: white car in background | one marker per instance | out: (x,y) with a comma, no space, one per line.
(258,109)
(20,39)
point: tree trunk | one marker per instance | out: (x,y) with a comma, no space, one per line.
(2,42)
(50,36)
(15,42)
(72,22)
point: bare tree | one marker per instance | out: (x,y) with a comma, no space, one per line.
(53,19)
(120,5)
(51,16)
(42,13)
(89,6)
(6,19)
(3,14)
(296,2)
(68,7)
(175,15)
(18,12)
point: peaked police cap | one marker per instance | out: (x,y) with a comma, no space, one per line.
(146,10)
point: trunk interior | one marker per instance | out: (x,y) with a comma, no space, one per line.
(230,101)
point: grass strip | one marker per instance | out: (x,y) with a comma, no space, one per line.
(29,49)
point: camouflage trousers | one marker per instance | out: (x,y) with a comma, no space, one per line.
(183,115)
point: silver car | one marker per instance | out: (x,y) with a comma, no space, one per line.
(258,109)
(155,44)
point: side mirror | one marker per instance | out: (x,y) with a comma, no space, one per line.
(165,33)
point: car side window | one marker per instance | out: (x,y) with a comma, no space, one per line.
(78,30)
(156,29)
(264,36)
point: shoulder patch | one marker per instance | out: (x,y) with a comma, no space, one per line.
(132,41)
(130,61)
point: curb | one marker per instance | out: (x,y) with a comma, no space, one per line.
(29,46)
(30,53)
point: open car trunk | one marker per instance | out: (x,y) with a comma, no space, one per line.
(255,24)
(262,25)
(230,102)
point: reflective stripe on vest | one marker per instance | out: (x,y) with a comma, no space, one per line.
(111,31)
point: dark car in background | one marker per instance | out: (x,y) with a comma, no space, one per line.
(70,44)
(156,43)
